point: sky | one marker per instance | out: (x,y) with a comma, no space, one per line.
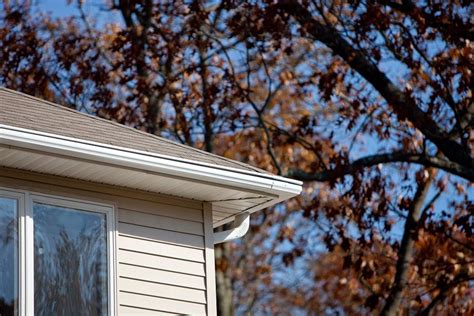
(92,8)
(57,7)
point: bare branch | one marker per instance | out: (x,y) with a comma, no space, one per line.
(398,156)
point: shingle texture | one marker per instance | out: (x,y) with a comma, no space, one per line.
(24,111)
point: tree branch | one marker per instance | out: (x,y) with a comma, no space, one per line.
(444,291)
(398,156)
(406,250)
(432,20)
(403,105)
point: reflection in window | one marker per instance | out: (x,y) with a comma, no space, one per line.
(8,257)
(70,253)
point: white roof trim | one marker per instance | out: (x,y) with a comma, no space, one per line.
(282,188)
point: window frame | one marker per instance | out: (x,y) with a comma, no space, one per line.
(20,198)
(26,200)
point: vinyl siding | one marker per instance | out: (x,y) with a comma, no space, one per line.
(164,248)
(161,260)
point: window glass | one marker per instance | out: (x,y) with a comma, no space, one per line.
(70,261)
(8,257)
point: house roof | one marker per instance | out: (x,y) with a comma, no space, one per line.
(46,138)
(24,111)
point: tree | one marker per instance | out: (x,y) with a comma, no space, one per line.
(369,102)
(424,115)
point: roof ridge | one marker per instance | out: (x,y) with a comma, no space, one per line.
(114,123)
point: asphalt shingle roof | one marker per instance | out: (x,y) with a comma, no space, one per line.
(24,111)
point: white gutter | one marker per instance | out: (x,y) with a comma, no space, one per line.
(280,187)
(240,228)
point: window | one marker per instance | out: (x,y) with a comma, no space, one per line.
(9,263)
(56,256)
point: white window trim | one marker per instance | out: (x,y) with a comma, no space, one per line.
(26,242)
(20,198)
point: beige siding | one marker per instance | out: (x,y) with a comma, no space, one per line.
(162,290)
(161,304)
(165,277)
(161,222)
(132,311)
(161,261)
(162,245)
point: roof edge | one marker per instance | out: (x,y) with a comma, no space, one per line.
(130,128)
(77,148)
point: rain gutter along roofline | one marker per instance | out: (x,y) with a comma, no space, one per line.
(75,148)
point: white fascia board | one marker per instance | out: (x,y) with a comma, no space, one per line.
(103,153)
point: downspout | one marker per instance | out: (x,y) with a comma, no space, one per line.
(240,228)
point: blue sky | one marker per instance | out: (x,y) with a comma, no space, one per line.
(93,9)
(56,7)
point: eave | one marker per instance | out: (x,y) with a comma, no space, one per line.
(231,191)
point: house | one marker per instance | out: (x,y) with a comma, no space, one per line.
(97,218)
